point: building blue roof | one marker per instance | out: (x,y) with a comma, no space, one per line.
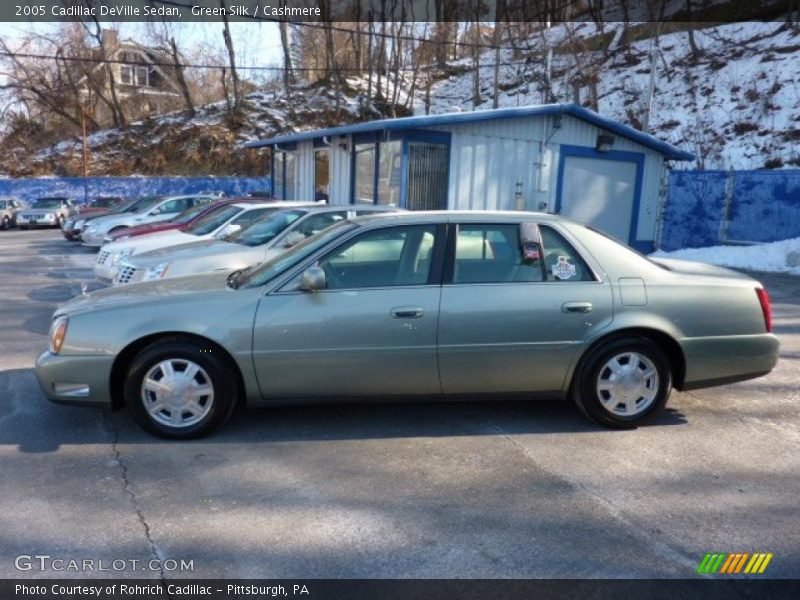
(668,150)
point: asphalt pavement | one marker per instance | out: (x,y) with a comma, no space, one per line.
(488,489)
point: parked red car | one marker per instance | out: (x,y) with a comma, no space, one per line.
(184,219)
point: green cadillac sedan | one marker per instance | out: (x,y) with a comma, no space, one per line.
(413,306)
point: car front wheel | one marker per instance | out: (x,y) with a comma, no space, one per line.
(179,389)
(623,383)
(6,224)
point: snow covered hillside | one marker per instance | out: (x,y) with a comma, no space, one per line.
(734,102)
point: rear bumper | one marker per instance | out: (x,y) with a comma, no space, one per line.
(712,361)
(75,380)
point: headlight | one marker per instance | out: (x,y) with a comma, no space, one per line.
(121,256)
(58,331)
(156,272)
(51,216)
(90,228)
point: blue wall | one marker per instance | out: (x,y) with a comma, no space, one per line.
(707,208)
(73,187)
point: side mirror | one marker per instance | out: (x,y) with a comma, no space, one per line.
(294,238)
(230,229)
(530,238)
(312,280)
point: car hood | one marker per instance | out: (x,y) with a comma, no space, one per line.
(151,242)
(188,250)
(689,267)
(111,220)
(146,291)
(147,228)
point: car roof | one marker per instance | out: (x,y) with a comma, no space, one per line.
(447,216)
(249,203)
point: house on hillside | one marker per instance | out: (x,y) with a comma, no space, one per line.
(145,83)
(559,158)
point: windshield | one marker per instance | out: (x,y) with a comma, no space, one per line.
(214,219)
(47,202)
(266,228)
(144,204)
(264,272)
(189,214)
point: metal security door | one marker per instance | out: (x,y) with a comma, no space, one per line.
(427,176)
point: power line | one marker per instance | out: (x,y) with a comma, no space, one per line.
(407,38)
(182,65)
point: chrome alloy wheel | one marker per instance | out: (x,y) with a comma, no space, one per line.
(177,393)
(627,384)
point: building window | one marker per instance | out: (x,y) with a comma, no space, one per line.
(284,175)
(364,185)
(322,175)
(132,74)
(389,172)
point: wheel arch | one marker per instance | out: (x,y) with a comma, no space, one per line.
(665,341)
(129,352)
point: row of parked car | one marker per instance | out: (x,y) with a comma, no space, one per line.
(215,302)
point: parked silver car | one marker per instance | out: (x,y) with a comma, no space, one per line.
(46,212)
(414,305)
(9,207)
(261,241)
(153,209)
(228,218)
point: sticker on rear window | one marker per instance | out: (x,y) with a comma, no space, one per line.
(563,269)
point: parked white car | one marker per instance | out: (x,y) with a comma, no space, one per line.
(226,219)
(268,237)
(155,208)
(50,211)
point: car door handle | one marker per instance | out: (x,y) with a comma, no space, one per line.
(407,312)
(577,307)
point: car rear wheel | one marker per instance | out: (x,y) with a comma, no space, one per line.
(179,389)
(623,383)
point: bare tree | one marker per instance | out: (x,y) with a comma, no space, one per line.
(236,106)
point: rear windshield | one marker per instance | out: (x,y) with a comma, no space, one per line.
(213,220)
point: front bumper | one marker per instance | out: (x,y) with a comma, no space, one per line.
(75,380)
(43,222)
(106,271)
(720,360)
(93,239)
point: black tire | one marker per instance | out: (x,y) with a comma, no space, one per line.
(222,378)
(6,224)
(587,396)
(61,221)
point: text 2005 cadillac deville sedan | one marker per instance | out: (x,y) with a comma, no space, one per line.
(415,305)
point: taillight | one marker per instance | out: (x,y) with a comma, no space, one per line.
(763,299)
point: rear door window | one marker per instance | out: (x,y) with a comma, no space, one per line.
(492,253)
(562,261)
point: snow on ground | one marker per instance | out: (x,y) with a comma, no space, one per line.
(777,257)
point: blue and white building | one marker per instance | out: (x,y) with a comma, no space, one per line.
(560,158)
